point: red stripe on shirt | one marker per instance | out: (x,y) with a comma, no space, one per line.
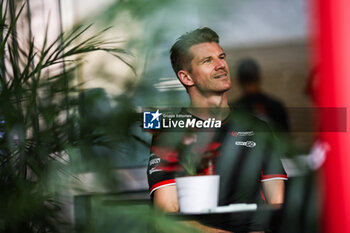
(164,182)
(168,154)
(166,167)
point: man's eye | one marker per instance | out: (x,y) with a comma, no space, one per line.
(223,57)
(206,61)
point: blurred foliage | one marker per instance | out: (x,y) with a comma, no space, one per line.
(38,109)
(51,129)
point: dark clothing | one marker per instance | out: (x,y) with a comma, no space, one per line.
(243,152)
(265,108)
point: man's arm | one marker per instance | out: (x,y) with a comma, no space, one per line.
(165,199)
(274,191)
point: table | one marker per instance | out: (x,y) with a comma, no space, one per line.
(263,218)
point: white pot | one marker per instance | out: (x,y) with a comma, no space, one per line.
(197,193)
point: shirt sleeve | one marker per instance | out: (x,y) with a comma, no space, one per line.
(163,164)
(272,164)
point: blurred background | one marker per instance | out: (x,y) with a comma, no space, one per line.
(120,65)
(274,33)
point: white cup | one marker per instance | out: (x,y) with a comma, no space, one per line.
(197,193)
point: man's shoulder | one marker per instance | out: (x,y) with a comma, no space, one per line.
(172,139)
(243,119)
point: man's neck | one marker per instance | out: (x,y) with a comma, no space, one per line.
(214,106)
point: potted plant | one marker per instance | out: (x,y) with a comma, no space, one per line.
(198,189)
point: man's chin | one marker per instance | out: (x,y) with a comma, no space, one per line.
(227,87)
(223,90)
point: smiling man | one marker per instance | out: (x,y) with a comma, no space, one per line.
(246,162)
(200,64)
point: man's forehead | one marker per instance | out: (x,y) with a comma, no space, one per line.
(205,49)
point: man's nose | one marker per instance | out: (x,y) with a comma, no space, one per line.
(219,64)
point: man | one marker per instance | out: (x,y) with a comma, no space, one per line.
(200,64)
(254,100)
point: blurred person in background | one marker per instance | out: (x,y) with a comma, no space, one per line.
(246,169)
(254,100)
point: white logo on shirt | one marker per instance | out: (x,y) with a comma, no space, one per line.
(154,161)
(154,170)
(247,143)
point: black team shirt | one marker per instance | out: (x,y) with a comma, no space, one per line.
(244,152)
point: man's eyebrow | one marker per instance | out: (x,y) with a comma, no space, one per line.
(204,58)
(209,57)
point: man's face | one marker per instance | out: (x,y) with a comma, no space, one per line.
(210,72)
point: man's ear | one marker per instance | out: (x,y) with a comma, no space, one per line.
(185,78)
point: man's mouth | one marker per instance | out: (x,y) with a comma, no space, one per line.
(221,76)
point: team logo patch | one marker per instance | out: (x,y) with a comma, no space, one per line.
(237,134)
(247,143)
(151,120)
